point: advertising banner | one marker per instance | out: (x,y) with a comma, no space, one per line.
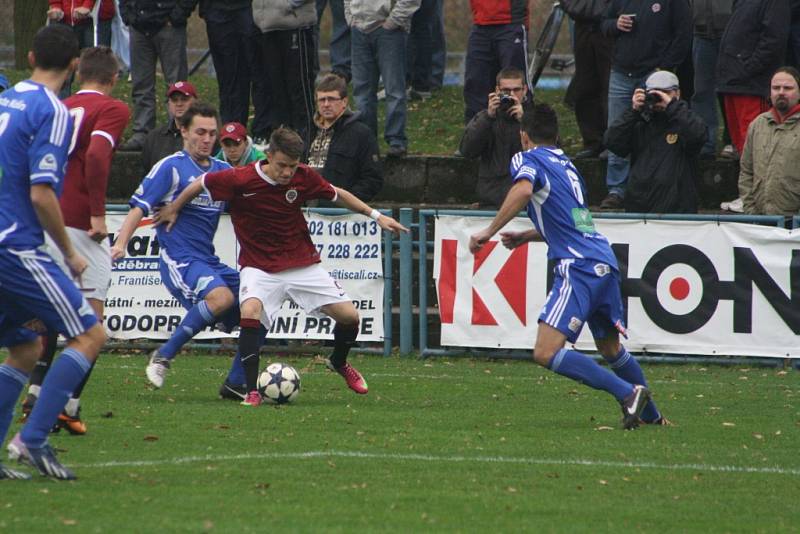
(687,287)
(139,305)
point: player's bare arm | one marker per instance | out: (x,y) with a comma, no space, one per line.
(129,226)
(512,240)
(348,200)
(168,213)
(517,198)
(48,211)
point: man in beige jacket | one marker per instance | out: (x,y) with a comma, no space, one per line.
(769,176)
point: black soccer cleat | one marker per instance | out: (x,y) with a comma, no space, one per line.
(237,392)
(633,405)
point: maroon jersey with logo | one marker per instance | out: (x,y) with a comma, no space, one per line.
(267,216)
(100,119)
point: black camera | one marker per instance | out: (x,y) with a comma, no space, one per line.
(648,107)
(506,101)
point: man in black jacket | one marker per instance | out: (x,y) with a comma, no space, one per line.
(493,136)
(157,33)
(663,137)
(648,35)
(166,140)
(343,149)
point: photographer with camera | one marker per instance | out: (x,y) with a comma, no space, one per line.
(493,136)
(664,138)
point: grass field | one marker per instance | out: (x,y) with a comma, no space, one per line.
(437,445)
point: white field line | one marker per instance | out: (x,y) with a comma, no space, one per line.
(791,471)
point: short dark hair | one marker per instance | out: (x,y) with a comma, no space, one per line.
(287,142)
(54,47)
(332,82)
(202,109)
(791,71)
(98,64)
(540,122)
(509,73)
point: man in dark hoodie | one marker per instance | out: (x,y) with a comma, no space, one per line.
(343,149)
(663,138)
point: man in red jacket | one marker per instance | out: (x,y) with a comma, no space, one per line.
(498,39)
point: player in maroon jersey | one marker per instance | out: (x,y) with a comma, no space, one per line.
(98,121)
(277,257)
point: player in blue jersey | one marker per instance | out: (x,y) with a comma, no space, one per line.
(586,287)
(190,268)
(35,133)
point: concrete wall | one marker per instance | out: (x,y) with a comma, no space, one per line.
(443,181)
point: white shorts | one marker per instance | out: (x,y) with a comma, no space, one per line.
(310,287)
(96,279)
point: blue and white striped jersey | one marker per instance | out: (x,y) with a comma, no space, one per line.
(35,134)
(558,206)
(192,236)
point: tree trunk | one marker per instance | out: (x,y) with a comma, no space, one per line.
(29,16)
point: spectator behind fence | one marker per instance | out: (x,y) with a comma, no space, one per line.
(343,149)
(752,48)
(588,89)
(419,56)
(339,46)
(769,173)
(650,35)
(663,138)
(379,29)
(498,39)
(288,46)
(237,147)
(227,25)
(157,33)
(167,139)
(76,15)
(709,18)
(493,136)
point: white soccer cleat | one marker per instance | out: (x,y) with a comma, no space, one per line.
(157,369)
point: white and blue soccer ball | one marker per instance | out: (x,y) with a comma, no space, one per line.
(279,383)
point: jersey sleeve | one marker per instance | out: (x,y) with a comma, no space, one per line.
(155,187)
(319,187)
(222,185)
(49,148)
(523,169)
(112,122)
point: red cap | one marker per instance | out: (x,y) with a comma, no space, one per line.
(233,130)
(185,88)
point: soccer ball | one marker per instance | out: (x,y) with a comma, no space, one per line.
(279,383)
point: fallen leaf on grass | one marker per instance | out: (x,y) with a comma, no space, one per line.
(604,428)
(725,423)
(151,438)
(603,482)
(108,415)
(758,436)
(69,522)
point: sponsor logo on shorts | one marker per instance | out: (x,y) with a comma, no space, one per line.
(575,324)
(601,269)
(291,195)
(243,290)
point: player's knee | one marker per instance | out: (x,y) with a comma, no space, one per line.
(220,299)
(543,356)
(24,356)
(251,309)
(350,319)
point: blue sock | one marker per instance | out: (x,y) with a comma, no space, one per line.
(64,376)
(197,318)
(627,368)
(581,368)
(236,374)
(12,381)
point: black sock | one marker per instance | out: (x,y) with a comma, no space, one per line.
(344,338)
(43,365)
(250,336)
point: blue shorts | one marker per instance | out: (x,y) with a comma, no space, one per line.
(584,290)
(33,286)
(191,280)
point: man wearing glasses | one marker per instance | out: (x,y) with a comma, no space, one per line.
(343,149)
(493,136)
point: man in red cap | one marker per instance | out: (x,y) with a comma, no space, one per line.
(166,140)
(237,147)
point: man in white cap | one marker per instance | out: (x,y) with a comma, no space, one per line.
(664,138)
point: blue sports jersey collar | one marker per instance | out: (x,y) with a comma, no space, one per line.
(196,164)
